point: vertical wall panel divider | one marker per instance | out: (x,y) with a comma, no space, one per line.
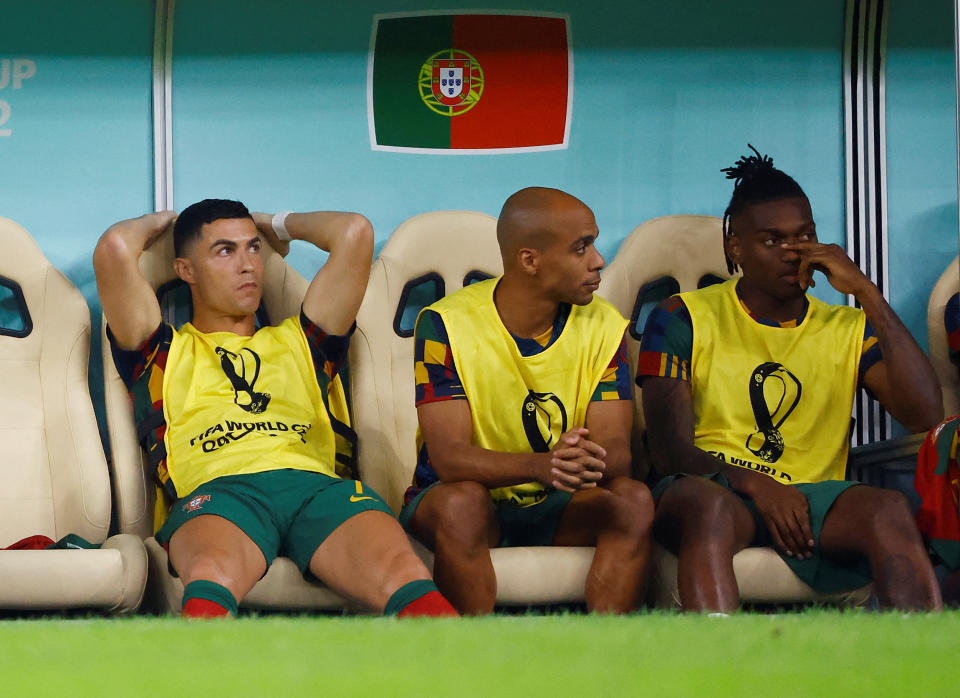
(956,53)
(864,109)
(162,102)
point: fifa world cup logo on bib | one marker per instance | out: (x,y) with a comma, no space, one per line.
(236,368)
(774,394)
(543,416)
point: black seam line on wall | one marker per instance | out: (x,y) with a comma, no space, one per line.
(880,190)
(878,155)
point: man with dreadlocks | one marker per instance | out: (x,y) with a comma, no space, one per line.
(759,406)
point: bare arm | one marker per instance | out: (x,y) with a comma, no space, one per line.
(610,422)
(447,429)
(904,381)
(668,410)
(129,303)
(334,296)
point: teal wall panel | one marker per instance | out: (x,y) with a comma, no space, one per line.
(270,106)
(921,155)
(665,95)
(78,156)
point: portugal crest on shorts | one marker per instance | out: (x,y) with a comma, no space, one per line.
(196,502)
(451,82)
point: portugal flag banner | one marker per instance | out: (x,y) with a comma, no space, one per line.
(469,83)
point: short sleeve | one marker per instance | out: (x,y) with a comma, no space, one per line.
(667,343)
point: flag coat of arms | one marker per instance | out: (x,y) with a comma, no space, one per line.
(469,83)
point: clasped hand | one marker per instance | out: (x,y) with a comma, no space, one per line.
(576,462)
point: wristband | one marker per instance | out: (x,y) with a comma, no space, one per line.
(279,225)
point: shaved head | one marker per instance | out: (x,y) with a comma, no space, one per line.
(531,218)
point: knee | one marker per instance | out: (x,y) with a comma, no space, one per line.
(631,504)
(460,510)
(711,518)
(890,514)
(211,568)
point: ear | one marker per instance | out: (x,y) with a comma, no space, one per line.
(731,248)
(528,259)
(184,269)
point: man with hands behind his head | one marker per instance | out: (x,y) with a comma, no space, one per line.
(268,484)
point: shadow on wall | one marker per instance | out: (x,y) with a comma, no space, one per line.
(918,266)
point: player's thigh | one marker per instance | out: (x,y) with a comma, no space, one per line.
(328,505)
(694,505)
(367,557)
(209,546)
(624,506)
(461,511)
(861,518)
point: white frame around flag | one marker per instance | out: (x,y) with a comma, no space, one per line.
(469,151)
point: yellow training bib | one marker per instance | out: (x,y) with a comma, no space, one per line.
(236,405)
(774,399)
(522,404)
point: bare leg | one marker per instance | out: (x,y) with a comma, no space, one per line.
(211,548)
(616,518)
(878,524)
(456,520)
(705,525)
(367,557)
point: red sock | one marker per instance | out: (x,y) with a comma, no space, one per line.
(431,604)
(203,608)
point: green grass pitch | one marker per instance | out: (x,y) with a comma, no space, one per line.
(814,653)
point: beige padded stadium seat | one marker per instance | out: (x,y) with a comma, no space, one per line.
(689,250)
(946,286)
(684,249)
(446,245)
(53,473)
(283,587)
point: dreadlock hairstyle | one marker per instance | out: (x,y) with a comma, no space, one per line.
(756,180)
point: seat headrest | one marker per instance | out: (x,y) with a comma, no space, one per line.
(685,248)
(449,243)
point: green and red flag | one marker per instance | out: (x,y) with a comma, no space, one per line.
(470,83)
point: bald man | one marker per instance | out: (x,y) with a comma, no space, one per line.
(524,401)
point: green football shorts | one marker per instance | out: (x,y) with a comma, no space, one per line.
(824,575)
(285,512)
(519,526)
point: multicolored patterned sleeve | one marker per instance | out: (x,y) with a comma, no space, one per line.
(436,376)
(951,320)
(142,372)
(667,342)
(329,351)
(870,352)
(615,383)
(134,364)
